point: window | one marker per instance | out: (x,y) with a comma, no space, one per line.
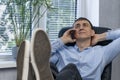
(7,40)
(62,16)
(6,36)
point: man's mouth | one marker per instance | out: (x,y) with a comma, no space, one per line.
(81,32)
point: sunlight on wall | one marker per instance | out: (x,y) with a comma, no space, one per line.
(89,9)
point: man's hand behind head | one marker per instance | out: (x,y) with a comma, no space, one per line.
(97,38)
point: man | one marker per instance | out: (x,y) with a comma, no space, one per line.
(89,60)
(73,62)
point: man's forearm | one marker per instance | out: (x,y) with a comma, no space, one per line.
(102,37)
(111,35)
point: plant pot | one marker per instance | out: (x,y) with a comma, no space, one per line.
(15,52)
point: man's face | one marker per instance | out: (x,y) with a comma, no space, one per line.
(83,29)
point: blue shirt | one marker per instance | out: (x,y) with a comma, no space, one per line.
(91,61)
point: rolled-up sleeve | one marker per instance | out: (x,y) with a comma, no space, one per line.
(113,34)
(56,45)
(112,49)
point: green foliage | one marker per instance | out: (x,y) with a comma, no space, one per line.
(20,17)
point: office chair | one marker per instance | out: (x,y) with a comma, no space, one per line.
(106,75)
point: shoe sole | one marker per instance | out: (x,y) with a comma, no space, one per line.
(23,61)
(40,55)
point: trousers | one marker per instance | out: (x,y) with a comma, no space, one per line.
(69,72)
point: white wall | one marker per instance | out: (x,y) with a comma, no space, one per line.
(89,9)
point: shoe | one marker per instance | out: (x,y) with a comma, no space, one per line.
(31,73)
(40,54)
(23,61)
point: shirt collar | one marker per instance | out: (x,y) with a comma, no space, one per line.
(77,48)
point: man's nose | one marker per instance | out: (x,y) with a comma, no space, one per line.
(81,27)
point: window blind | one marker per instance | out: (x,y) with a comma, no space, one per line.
(6,36)
(63,16)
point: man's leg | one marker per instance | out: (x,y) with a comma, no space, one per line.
(54,69)
(40,54)
(70,72)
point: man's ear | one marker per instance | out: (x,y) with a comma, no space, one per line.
(93,32)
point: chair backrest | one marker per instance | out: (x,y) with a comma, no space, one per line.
(106,75)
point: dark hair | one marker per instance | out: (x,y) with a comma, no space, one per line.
(83,18)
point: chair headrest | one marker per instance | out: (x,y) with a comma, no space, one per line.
(98,30)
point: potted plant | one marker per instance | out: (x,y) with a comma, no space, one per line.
(21,17)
